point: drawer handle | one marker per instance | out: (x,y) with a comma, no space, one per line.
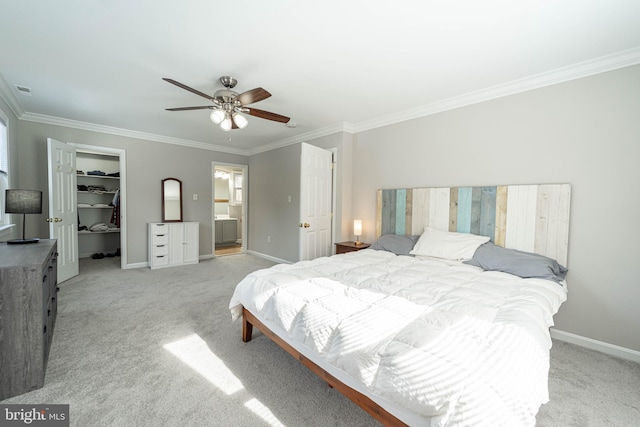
(159,256)
(44,279)
(45,329)
(53,299)
(159,246)
(57,289)
(48,312)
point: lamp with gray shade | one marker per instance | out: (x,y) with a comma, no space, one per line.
(23,202)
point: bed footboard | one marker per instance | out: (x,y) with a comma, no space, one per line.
(371,407)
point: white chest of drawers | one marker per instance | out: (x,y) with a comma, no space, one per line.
(172,244)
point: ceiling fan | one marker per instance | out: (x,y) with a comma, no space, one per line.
(227,104)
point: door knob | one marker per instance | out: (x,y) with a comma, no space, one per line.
(54,219)
(306,225)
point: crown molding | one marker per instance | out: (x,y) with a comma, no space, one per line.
(39,118)
(599,65)
(6,93)
(318,133)
(583,69)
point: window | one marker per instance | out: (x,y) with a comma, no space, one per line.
(4,168)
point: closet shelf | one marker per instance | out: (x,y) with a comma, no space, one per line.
(97,176)
(98,232)
(97,192)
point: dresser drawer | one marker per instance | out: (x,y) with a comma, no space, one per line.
(160,228)
(160,239)
(160,250)
(158,260)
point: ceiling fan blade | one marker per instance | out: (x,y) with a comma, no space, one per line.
(210,107)
(267,115)
(190,89)
(252,96)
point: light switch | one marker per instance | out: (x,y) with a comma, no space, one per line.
(289,199)
(195,197)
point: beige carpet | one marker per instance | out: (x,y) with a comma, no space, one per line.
(158,348)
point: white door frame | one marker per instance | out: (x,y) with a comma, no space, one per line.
(122,157)
(245,184)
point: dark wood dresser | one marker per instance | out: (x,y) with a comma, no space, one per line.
(28,307)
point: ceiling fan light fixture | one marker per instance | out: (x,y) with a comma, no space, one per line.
(240,120)
(226,124)
(217,116)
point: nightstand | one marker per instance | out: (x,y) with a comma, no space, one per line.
(344,247)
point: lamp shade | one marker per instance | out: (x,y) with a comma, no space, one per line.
(240,121)
(217,116)
(357,227)
(226,124)
(23,201)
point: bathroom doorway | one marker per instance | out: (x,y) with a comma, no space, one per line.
(229,208)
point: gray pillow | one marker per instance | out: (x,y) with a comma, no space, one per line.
(399,245)
(523,264)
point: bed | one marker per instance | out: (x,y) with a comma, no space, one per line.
(444,320)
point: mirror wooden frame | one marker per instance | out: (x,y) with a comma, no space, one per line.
(168,209)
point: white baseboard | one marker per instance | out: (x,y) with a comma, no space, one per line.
(269,257)
(207,256)
(603,347)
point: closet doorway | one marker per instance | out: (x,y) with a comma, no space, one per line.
(101,201)
(229,208)
(86,210)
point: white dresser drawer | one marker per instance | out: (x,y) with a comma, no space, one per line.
(160,239)
(160,250)
(159,228)
(158,260)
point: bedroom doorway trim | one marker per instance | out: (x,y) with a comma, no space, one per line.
(244,170)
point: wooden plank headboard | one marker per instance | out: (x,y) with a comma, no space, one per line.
(532,218)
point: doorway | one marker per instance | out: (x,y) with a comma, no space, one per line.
(229,208)
(101,184)
(90,179)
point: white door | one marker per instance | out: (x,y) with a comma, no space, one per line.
(315,202)
(63,213)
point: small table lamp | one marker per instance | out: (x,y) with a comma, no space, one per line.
(23,202)
(357,230)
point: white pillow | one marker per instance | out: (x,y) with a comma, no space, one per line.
(447,244)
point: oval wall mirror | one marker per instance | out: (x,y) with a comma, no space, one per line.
(171,200)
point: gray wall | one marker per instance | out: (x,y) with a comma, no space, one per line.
(273,176)
(585,132)
(148,162)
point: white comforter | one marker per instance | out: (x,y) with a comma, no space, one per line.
(468,346)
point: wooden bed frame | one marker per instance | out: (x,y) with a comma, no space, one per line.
(371,407)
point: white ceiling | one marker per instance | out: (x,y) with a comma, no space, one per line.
(330,65)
